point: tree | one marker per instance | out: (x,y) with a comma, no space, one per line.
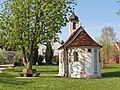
(107,38)
(118,1)
(25,23)
(49,54)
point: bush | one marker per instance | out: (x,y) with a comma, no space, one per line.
(40,59)
(18,57)
(10,68)
(18,64)
(56,59)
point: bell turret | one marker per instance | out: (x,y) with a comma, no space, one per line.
(73,23)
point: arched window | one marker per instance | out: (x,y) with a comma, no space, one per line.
(75,56)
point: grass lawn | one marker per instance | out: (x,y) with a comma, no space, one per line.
(49,80)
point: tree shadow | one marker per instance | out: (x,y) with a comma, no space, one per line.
(52,76)
(111,68)
(10,79)
(111,74)
(14,82)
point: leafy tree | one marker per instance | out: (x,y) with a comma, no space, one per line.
(118,1)
(107,38)
(25,23)
(49,54)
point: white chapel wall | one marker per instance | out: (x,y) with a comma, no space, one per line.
(61,63)
(89,62)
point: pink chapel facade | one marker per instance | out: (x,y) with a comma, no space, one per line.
(79,56)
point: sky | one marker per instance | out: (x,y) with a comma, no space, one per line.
(94,15)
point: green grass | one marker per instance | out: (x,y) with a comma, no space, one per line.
(39,68)
(49,81)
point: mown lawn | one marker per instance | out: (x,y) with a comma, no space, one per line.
(50,80)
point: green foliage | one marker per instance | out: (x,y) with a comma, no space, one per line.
(25,23)
(40,59)
(56,59)
(118,13)
(19,56)
(10,68)
(49,54)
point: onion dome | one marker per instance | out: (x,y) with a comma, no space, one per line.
(73,17)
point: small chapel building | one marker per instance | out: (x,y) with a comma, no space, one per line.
(79,56)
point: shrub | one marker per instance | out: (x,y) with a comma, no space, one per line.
(40,59)
(18,64)
(56,59)
(18,57)
(10,68)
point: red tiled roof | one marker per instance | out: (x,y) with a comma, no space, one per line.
(117,45)
(80,38)
(83,39)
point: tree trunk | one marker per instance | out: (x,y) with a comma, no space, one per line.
(103,63)
(27,60)
(24,56)
(29,65)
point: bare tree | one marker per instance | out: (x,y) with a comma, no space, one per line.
(107,38)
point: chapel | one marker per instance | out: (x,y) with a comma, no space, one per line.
(79,56)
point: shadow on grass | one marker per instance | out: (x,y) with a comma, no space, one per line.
(111,67)
(14,82)
(6,75)
(111,74)
(52,76)
(10,79)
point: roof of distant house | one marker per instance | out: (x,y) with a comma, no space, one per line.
(117,45)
